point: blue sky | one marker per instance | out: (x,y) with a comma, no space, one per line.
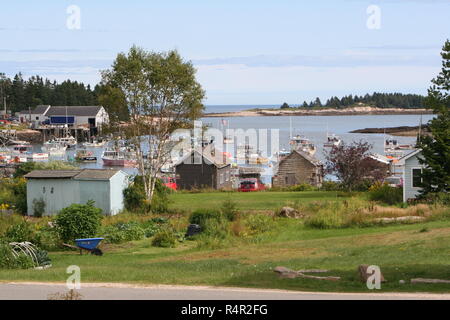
(245,52)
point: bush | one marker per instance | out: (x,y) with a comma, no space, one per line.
(135,198)
(384,193)
(439,198)
(38,207)
(201,216)
(9,261)
(229,210)
(165,239)
(19,233)
(123,232)
(302,187)
(330,186)
(259,223)
(78,221)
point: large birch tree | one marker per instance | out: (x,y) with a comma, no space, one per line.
(162,95)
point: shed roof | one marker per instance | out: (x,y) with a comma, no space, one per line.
(52,174)
(41,109)
(85,111)
(83,174)
(96,174)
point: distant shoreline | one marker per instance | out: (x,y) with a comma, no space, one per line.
(362,110)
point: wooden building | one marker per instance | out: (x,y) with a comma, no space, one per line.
(296,168)
(203,169)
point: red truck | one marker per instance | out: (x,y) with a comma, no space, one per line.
(251,184)
(169,182)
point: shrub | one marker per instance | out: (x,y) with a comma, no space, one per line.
(229,210)
(259,223)
(19,233)
(200,216)
(9,261)
(78,221)
(165,239)
(302,187)
(123,232)
(47,239)
(331,186)
(384,193)
(38,207)
(135,198)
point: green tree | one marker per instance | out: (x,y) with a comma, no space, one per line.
(162,95)
(436,147)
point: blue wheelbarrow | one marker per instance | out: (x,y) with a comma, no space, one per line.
(89,244)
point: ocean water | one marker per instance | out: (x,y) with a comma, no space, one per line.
(313,127)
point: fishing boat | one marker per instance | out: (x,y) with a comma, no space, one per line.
(301,143)
(54,148)
(84,155)
(332,141)
(24,153)
(68,141)
(94,144)
(121,157)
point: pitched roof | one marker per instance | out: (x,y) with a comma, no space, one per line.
(96,174)
(409,155)
(308,157)
(73,111)
(52,174)
(217,159)
(83,174)
(41,109)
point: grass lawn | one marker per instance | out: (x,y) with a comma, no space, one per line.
(402,251)
(247,201)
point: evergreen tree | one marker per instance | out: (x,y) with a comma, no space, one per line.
(436,147)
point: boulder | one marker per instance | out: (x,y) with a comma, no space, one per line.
(288,212)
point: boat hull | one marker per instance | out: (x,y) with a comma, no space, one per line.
(118,162)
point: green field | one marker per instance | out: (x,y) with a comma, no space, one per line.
(247,201)
(402,251)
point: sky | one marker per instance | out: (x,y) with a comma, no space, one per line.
(245,52)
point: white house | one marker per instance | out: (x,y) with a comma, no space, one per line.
(90,116)
(61,188)
(412,171)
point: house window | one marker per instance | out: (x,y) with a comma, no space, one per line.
(37,118)
(416,178)
(43,189)
(221,178)
(51,190)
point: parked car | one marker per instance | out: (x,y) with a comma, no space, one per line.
(394,181)
(251,184)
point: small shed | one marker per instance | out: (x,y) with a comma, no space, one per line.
(412,171)
(296,168)
(203,168)
(58,189)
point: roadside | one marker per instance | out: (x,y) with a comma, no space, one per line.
(121,291)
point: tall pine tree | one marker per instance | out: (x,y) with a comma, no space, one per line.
(436,147)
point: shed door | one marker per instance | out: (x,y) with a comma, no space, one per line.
(291,180)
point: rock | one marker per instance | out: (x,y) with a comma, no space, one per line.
(421,280)
(362,269)
(288,212)
(400,219)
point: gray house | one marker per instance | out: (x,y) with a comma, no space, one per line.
(412,170)
(61,188)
